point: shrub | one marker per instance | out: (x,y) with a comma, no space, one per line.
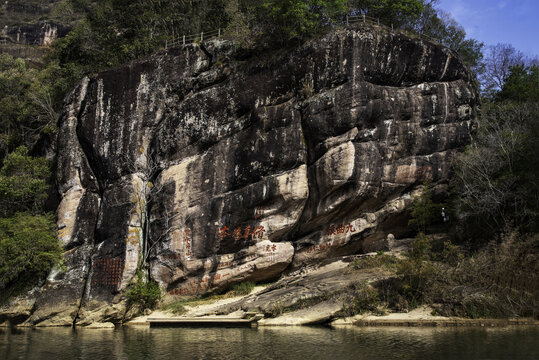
(176,307)
(421,248)
(364,298)
(145,294)
(28,246)
(380,260)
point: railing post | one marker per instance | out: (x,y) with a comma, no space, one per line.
(391,26)
(184,39)
(378,21)
(347,20)
(363,18)
(166,43)
(219,33)
(201,36)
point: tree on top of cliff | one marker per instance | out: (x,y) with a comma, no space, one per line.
(441,26)
(399,13)
(288,19)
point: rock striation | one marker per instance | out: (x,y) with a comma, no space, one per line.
(207,166)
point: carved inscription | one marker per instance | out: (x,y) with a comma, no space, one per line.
(340,229)
(107,272)
(237,234)
(187,242)
(317,248)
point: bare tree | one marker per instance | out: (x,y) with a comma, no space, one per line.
(495,187)
(498,61)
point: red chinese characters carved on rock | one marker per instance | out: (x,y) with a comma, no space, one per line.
(271,248)
(187,241)
(258,232)
(341,229)
(317,248)
(107,272)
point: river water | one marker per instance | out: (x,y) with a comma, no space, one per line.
(303,343)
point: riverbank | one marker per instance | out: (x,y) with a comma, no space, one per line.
(348,291)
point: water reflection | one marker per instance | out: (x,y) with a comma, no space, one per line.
(270,343)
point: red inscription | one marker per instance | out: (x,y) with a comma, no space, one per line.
(237,234)
(258,232)
(317,248)
(341,229)
(247,232)
(271,248)
(224,232)
(187,241)
(107,272)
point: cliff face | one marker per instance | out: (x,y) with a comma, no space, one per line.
(28,25)
(208,168)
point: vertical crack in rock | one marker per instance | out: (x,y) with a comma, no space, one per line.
(85,154)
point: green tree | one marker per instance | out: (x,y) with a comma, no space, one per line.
(23,183)
(423,211)
(28,247)
(29,101)
(522,84)
(441,26)
(117,31)
(399,13)
(288,19)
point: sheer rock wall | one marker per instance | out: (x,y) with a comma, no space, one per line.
(211,167)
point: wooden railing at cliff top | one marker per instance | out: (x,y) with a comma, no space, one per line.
(349,20)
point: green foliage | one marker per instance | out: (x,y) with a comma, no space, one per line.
(421,248)
(144,294)
(117,31)
(441,26)
(364,298)
(423,211)
(28,246)
(491,282)
(397,12)
(521,85)
(23,183)
(289,19)
(29,100)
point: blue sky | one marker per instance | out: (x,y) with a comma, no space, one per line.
(498,21)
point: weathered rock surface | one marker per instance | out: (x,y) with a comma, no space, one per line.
(28,27)
(210,168)
(42,33)
(323,285)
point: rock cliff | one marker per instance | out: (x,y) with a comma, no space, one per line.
(208,166)
(27,27)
